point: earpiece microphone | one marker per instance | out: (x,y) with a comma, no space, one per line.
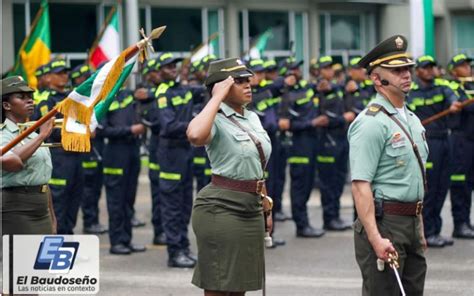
(384,82)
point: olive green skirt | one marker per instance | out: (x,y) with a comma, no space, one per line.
(25,213)
(229,230)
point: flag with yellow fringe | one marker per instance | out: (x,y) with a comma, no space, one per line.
(88,103)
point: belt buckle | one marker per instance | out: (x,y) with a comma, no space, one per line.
(419,208)
(44,188)
(260,184)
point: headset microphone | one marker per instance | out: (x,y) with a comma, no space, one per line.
(384,82)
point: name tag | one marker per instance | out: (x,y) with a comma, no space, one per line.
(398,140)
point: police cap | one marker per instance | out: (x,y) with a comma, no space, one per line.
(221,69)
(390,53)
(166,58)
(15,84)
(425,61)
(80,70)
(458,59)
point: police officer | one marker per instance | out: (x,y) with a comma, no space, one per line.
(428,96)
(175,104)
(41,93)
(201,165)
(332,150)
(359,90)
(303,109)
(67,180)
(388,177)
(146,94)
(462,164)
(121,161)
(92,165)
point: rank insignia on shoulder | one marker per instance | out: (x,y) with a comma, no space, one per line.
(373,109)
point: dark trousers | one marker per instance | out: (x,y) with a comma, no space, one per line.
(301,160)
(332,156)
(176,194)
(201,167)
(437,174)
(67,184)
(277,171)
(154,176)
(93,181)
(121,169)
(462,178)
(405,234)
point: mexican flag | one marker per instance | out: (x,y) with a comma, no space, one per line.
(422,28)
(36,48)
(89,102)
(107,44)
(259,47)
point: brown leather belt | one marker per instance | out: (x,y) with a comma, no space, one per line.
(403,209)
(251,186)
(27,189)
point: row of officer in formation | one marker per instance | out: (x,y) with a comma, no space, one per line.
(306,121)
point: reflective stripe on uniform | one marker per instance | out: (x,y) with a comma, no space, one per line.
(170,176)
(89,164)
(144,161)
(57,182)
(429,165)
(458,178)
(153,166)
(207,172)
(199,160)
(113,171)
(325,159)
(298,160)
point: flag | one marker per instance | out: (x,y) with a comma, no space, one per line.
(259,46)
(88,103)
(36,48)
(422,28)
(107,43)
(205,50)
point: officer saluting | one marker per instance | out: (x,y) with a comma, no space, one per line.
(388,151)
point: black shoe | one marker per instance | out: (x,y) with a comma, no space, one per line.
(463,231)
(136,248)
(180,260)
(95,229)
(120,249)
(337,225)
(280,217)
(137,223)
(435,241)
(190,255)
(447,240)
(309,231)
(160,239)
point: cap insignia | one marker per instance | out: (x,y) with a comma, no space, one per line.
(399,42)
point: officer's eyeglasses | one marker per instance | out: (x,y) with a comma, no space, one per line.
(241,80)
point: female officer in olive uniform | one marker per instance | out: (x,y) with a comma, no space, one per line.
(26,201)
(227,215)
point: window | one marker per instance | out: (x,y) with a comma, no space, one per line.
(261,21)
(177,20)
(345,32)
(463,41)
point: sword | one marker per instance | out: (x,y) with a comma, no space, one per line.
(393,263)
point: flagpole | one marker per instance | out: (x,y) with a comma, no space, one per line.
(101,33)
(23,44)
(130,52)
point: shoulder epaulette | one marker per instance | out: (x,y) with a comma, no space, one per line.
(2,125)
(373,109)
(414,86)
(441,81)
(454,85)
(303,83)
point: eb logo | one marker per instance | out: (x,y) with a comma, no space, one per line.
(56,255)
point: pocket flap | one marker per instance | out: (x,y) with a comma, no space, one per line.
(241,137)
(394,152)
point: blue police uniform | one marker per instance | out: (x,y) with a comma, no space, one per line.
(425,101)
(304,108)
(175,104)
(360,98)
(67,179)
(332,153)
(462,162)
(121,161)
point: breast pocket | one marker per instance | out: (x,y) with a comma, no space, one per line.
(398,157)
(243,144)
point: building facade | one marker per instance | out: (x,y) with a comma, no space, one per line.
(304,28)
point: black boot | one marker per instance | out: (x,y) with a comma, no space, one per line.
(180,260)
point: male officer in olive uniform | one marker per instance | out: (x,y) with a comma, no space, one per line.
(462,164)
(67,180)
(175,105)
(428,96)
(332,146)
(388,177)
